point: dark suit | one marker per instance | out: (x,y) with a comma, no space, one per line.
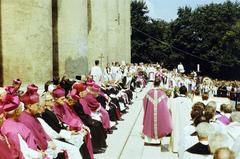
(200,149)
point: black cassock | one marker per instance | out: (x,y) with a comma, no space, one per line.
(98,133)
(112,110)
(50,118)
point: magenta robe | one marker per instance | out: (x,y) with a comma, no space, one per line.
(11,129)
(4,149)
(36,128)
(66,115)
(85,107)
(105,118)
(90,104)
(157,121)
(225,120)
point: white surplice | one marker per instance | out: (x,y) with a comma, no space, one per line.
(72,150)
(27,152)
(97,74)
(180,108)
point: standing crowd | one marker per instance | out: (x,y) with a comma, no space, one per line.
(200,123)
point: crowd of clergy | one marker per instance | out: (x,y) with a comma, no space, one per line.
(71,118)
(201,124)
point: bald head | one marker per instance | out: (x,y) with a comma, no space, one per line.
(224,153)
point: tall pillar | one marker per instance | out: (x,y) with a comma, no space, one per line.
(128,30)
(97,37)
(113,31)
(26,40)
(72,37)
(55,53)
(122,30)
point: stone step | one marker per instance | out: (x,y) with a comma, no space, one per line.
(117,141)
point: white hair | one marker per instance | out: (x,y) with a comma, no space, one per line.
(217,141)
(235,116)
(205,129)
(212,104)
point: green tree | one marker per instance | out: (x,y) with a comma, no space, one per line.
(208,35)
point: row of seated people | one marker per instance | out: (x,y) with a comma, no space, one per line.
(211,132)
(68,120)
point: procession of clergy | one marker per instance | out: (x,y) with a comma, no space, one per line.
(72,118)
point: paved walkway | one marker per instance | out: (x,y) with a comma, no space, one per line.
(126,142)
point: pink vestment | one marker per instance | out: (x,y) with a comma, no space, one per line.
(105,118)
(11,129)
(4,149)
(66,115)
(224,119)
(36,128)
(94,106)
(85,107)
(157,119)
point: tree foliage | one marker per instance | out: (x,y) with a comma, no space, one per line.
(208,35)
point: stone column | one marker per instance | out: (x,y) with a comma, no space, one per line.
(97,37)
(128,30)
(26,40)
(122,30)
(72,37)
(113,31)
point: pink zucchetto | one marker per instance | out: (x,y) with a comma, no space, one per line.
(17,81)
(58,92)
(79,87)
(10,102)
(76,89)
(90,83)
(30,99)
(96,88)
(32,88)
(30,96)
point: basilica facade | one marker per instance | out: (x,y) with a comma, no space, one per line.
(40,39)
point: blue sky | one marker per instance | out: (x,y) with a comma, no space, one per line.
(167,9)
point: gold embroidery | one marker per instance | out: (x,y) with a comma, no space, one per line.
(155,101)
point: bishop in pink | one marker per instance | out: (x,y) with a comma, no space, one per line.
(66,115)
(157,119)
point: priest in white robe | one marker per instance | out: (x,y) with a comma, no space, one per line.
(180,109)
(96,73)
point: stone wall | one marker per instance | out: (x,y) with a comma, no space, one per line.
(26,40)
(113,31)
(128,31)
(124,31)
(72,37)
(97,37)
(82,31)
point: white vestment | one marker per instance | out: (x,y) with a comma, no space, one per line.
(180,68)
(73,151)
(188,155)
(27,152)
(186,140)
(233,131)
(236,147)
(180,108)
(97,74)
